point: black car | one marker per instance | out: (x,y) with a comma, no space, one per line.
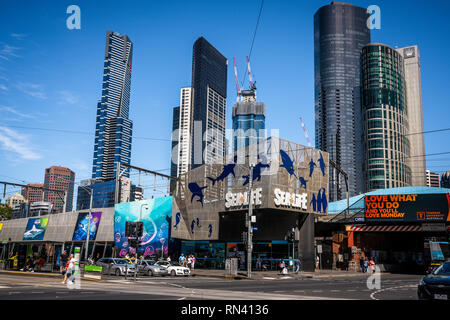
(436,285)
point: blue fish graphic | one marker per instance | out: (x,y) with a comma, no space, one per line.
(197,191)
(312,164)
(314,202)
(303,182)
(227,170)
(256,173)
(192,226)
(322,164)
(177,220)
(323,200)
(288,164)
(198,223)
(210,230)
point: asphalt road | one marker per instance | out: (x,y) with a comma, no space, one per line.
(393,287)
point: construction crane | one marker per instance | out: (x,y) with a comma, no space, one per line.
(305,132)
(237,81)
(252,84)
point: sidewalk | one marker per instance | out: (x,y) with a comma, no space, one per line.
(272,275)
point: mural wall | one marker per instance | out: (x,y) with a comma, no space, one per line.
(35,229)
(83,225)
(156,219)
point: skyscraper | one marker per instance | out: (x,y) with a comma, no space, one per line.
(432,179)
(33,192)
(249,118)
(385,118)
(340,32)
(63,179)
(113,128)
(209,85)
(411,60)
(182,122)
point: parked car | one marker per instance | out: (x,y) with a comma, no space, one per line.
(116,266)
(148,267)
(436,285)
(174,268)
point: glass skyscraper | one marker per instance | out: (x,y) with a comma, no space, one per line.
(340,32)
(209,85)
(385,115)
(249,119)
(113,130)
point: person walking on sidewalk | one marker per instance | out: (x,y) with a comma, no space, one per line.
(297,265)
(366,264)
(192,262)
(258,264)
(372,265)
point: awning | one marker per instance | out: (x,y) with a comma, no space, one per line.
(384,228)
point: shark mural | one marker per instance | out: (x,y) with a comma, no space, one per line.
(227,170)
(288,164)
(303,182)
(312,165)
(177,219)
(322,164)
(197,191)
(256,173)
(210,230)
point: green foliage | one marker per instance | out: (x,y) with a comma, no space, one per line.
(5,212)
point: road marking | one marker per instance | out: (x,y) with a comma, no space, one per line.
(183,298)
(268,278)
(317,291)
(4,287)
(335,290)
(372,296)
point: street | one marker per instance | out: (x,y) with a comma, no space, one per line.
(393,287)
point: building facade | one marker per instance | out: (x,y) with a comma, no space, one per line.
(445,179)
(33,192)
(113,130)
(340,32)
(249,118)
(411,59)
(432,179)
(15,199)
(62,179)
(209,85)
(385,119)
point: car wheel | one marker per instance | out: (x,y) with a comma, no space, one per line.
(173,273)
(117,272)
(150,273)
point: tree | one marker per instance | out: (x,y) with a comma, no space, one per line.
(5,212)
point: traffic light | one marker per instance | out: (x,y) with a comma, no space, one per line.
(140,229)
(292,236)
(133,243)
(129,229)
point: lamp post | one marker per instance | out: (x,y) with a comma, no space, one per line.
(249,225)
(89,225)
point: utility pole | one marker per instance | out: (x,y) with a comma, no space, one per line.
(89,226)
(249,225)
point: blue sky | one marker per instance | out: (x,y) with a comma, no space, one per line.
(50,76)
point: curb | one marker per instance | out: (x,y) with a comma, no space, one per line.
(49,275)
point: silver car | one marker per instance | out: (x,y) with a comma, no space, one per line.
(148,267)
(115,266)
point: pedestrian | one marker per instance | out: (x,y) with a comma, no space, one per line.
(168,259)
(297,265)
(284,269)
(258,264)
(317,262)
(68,272)
(71,270)
(361,263)
(182,260)
(372,265)
(366,264)
(193,262)
(63,262)
(189,261)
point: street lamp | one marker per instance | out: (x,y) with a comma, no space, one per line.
(249,224)
(89,222)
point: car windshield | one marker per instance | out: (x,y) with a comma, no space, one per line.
(121,261)
(149,262)
(175,264)
(443,270)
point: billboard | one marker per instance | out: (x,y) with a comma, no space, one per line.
(407,207)
(35,229)
(82,226)
(155,214)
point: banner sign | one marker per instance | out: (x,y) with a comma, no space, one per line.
(35,229)
(407,207)
(82,226)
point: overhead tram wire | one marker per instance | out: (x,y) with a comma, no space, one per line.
(253,40)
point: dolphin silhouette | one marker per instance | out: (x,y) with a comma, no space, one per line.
(288,164)
(322,164)
(210,230)
(312,164)
(197,191)
(192,226)
(177,220)
(256,173)
(227,170)
(303,182)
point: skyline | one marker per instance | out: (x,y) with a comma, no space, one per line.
(56,85)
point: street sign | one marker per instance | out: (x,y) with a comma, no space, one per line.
(319,248)
(253,219)
(255,229)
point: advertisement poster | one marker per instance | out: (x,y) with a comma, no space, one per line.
(35,229)
(82,226)
(156,215)
(1,226)
(407,207)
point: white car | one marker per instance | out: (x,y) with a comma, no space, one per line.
(174,268)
